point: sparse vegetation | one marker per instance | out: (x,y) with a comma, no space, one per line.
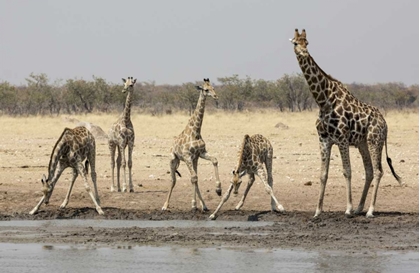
(41,96)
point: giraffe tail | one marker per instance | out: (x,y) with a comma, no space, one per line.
(87,166)
(389,161)
(178,173)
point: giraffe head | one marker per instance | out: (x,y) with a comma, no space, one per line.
(47,189)
(128,84)
(300,43)
(207,89)
(236,180)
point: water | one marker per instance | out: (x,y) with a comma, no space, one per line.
(76,258)
(37,257)
(132,223)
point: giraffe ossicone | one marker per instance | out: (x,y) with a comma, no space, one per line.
(189,146)
(72,148)
(255,153)
(345,121)
(120,136)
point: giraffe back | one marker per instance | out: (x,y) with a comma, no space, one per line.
(254,152)
(73,146)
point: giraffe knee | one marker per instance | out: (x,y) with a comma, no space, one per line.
(194,179)
(347,174)
(378,174)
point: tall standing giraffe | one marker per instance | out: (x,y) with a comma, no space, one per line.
(72,148)
(189,146)
(120,136)
(255,152)
(345,121)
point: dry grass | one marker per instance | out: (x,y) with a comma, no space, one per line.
(26,143)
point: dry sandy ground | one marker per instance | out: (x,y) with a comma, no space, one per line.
(26,144)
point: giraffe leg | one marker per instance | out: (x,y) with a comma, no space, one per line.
(224,199)
(82,172)
(112,148)
(196,189)
(174,163)
(123,165)
(130,165)
(376,155)
(36,208)
(345,158)
(275,205)
(91,159)
(367,162)
(46,197)
(325,148)
(248,187)
(206,156)
(118,168)
(66,200)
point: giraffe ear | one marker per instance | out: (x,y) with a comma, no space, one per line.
(43,179)
(199,87)
(296,33)
(134,81)
(123,80)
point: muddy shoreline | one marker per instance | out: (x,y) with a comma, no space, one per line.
(389,231)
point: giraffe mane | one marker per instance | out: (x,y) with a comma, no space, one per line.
(55,147)
(241,152)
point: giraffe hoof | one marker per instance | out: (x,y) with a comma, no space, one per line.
(212,217)
(219,192)
(131,190)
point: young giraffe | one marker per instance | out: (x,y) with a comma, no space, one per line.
(120,136)
(70,150)
(189,146)
(256,151)
(344,120)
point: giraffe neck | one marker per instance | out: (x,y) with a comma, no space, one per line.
(196,119)
(127,107)
(242,154)
(56,154)
(320,83)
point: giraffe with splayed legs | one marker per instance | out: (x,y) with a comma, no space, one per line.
(255,152)
(72,148)
(345,121)
(189,146)
(120,136)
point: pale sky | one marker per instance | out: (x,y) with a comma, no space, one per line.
(174,42)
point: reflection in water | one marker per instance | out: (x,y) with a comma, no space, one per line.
(77,258)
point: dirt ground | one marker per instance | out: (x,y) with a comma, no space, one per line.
(26,144)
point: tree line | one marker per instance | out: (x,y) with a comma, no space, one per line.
(41,96)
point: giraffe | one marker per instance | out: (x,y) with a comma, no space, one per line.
(120,136)
(255,152)
(72,148)
(345,121)
(189,146)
